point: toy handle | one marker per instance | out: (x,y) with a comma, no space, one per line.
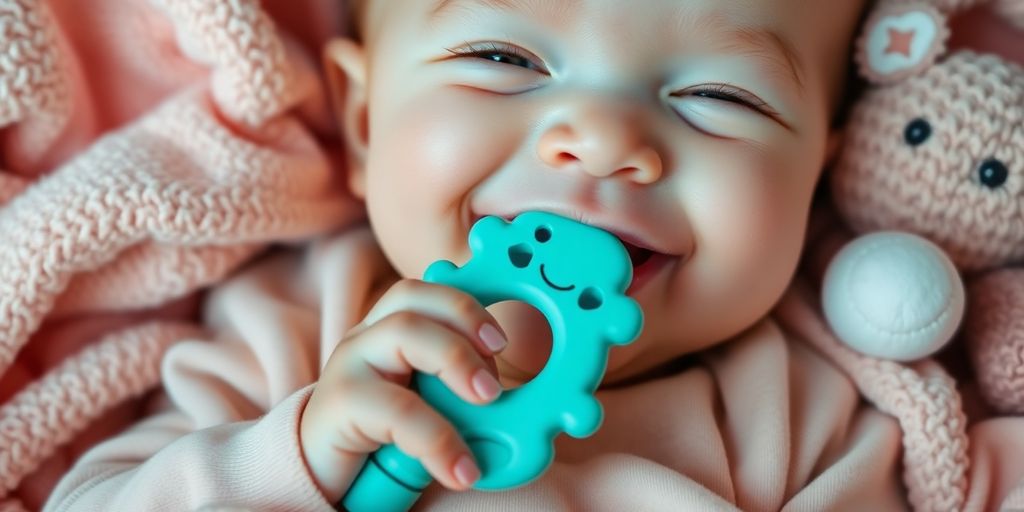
(390,481)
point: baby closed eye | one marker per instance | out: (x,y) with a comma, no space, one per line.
(719,109)
(501,53)
(730,94)
(725,111)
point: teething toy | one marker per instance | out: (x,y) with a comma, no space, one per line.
(576,275)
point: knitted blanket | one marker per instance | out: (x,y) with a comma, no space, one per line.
(148,149)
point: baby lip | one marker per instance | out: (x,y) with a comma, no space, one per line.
(636,246)
(631,241)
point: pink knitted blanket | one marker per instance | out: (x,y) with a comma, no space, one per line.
(148,149)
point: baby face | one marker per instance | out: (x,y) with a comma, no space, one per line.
(694,130)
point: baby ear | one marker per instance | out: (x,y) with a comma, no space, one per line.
(901,40)
(345,66)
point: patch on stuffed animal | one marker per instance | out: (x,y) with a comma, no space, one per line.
(900,41)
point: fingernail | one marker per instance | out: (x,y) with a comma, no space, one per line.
(492,338)
(485,384)
(466,471)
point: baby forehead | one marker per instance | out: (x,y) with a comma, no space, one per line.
(681,13)
(782,29)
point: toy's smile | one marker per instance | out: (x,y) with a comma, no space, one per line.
(553,285)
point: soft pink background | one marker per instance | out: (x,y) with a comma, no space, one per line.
(983,31)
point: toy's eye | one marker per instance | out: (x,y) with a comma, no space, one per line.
(993,173)
(542,234)
(917,131)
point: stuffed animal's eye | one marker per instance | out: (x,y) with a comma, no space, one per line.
(542,234)
(993,173)
(917,131)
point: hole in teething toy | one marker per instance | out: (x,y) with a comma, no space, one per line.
(520,255)
(542,234)
(529,346)
(590,298)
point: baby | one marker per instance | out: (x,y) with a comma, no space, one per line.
(694,130)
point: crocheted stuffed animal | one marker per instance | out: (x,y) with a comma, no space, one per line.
(935,147)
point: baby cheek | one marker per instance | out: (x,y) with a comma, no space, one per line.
(777,207)
(449,139)
(426,158)
(753,226)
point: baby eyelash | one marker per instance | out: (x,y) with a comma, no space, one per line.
(488,47)
(491,48)
(725,92)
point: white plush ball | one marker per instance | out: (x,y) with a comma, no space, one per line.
(893,295)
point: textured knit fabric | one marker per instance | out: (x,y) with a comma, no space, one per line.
(149,149)
(995,329)
(762,422)
(961,186)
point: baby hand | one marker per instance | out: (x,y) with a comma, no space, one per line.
(361,400)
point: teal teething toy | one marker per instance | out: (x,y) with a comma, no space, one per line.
(576,275)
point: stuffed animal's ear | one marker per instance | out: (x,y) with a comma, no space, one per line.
(1012,11)
(900,41)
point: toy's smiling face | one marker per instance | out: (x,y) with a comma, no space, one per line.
(568,258)
(941,155)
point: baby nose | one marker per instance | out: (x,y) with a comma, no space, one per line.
(603,142)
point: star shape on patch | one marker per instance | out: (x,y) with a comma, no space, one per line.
(900,41)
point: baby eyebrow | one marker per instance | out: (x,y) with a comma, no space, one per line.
(765,44)
(529,6)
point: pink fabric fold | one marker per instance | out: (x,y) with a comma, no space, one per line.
(149,149)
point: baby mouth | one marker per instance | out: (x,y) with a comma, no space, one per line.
(646,264)
(637,255)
